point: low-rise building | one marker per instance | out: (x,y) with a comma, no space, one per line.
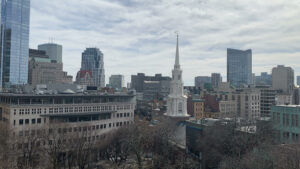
(196,108)
(284,99)
(68,112)
(228,108)
(285,120)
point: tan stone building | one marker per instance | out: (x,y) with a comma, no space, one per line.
(198,107)
(228,108)
(43,70)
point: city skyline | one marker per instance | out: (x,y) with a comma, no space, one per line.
(139,36)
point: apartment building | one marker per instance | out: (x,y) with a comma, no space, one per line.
(249,104)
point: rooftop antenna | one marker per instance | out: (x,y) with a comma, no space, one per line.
(177,33)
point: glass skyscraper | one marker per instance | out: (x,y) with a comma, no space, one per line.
(15,19)
(239,67)
(92,60)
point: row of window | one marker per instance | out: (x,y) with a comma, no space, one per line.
(286,119)
(28,121)
(120,115)
(73,109)
(288,135)
(74,129)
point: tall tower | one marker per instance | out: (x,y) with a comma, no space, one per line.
(15,16)
(92,63)
(239,67)
(177,101)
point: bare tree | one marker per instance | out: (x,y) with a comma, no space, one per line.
(29,149)
(117,146)
(4,146)
(54,143)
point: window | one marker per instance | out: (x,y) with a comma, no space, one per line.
(32,121)
(278,117)
(21,122)
(20,133)
(180,107)
(32,132)
(39,120)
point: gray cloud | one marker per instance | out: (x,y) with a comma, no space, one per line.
(138,35)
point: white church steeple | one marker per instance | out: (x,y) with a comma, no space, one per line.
(177,65)
(177,101)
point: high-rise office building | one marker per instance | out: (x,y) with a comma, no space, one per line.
(263,79)
(54,51)
(200,81)
(92,64)
(216,79)
(116,81)
(239,67)
(138,81)
(15,16)
(43,70)
(283,79)
(298,80)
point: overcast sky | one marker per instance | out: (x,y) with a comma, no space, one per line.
(138,35)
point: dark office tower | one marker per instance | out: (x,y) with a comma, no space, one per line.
(216,79)
(92,68)
(239,67)
(15,15)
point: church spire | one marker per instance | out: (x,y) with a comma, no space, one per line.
(177,65)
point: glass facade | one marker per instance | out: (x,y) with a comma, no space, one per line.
(239,67)
(15,20)
(92,60)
